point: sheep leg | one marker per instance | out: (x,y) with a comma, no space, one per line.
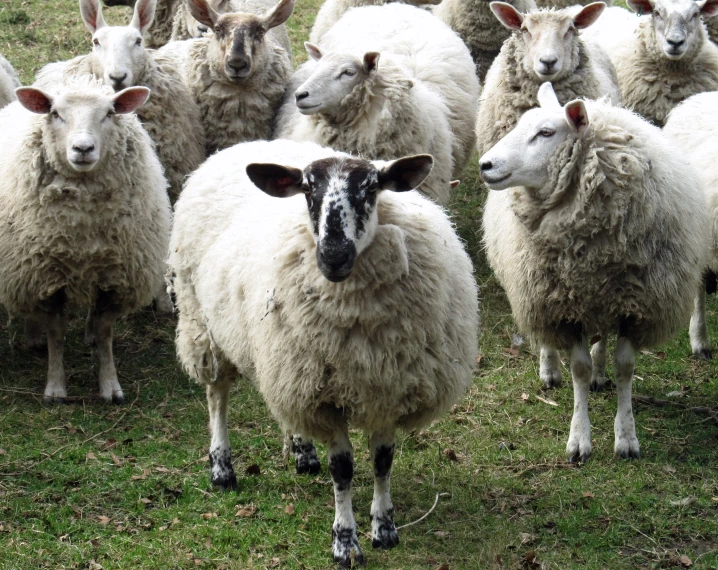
(698,330)
(163,302)
(550,367)
(110,389)
(598,365)
(626,443)
(220,451)
(579,439)
(305,455)
(55,389)
(34,339)
(383,530)
(345,543)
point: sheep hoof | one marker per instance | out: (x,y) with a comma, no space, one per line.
(627,448)
(118,398)
(704,353)
(578,457)
(345,545)
(599,385)
(51,400)
(385,535)
(308,465)
(552,381)
(223,477)
(630,454)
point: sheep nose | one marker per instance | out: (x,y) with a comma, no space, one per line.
(486,165)
(117,78)
(83,148)
(549,62)
(675,44)
(301,95)
(336,259)
(238,64)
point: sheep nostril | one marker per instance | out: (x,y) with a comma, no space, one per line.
(239,65)
(486,165)
(549,62)
(83,148)
(303,95)
(118,78)
(676,44)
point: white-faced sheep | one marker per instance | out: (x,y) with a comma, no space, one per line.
(239,73)
(8,82)
(421,96)
(546,46)
(667,59)
(160,32)
(120,60)
(346,302)
(693,124)
(478,27)
(601,227)
(85,219)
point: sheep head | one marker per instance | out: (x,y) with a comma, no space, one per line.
(81,121)
(118,51)
(523,156)
(341,194)
(549,37)
(677,23)
(238,42)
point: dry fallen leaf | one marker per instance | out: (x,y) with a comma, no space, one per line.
(451,454)
(274,563)
(289,509)
(524,396)
(103,520)
(197,562)
(683,502)
(441,533)
(527,538)
(205,458)
(109,444)
(2,451)
(246,511)
(588,495)
(546,401)
(116,460)
(95,566)
(685,561)
(207,516)
(90,456)
(162,469)
(145,501)
(444,566)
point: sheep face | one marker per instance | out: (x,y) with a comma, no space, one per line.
(80,122)
(335,77)
(677,23)
(341,195)
(523,156)
(550,38)
(118,51)
(239,39)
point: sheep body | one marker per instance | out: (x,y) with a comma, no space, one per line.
(8,82)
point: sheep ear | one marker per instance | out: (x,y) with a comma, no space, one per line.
(547,97)
(576,115)
(588,15)
(128,100)
(34,100)
(709,8)
(221,7)
(454,184)
(371,61)
(276,180)
(313,51)
(144,14)
(202,12)
(278,15)
(640,7)
(91,12)
(405,173)
(509,16)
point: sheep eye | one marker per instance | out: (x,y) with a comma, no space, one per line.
(349,72)
(546,133)
(110,113)
(55,114)
(96,42)
(138,42)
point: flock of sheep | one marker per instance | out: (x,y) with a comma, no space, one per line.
(296,216)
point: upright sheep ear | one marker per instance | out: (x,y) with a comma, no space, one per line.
(276,180)
(278,15)
(144,15)
(709,8)
(454,184)
(202,12)
(576,115)
(406,173)
(640,7)
(313,51)
(91,12)
(371,61)
(509,16)
(547,97)
(221,6)
(34,100)
(588,15)
(128,100)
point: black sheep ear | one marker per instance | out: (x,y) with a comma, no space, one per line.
(276,180)
(406,173)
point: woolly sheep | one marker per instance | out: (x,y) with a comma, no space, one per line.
(331,10)
(85,217)
(119,59)
(8,82)
(693,124)
(421,97)
(667,59)
(160,32)
(601,227)
(478,27)
(238,74)
(350,305)
(546,46)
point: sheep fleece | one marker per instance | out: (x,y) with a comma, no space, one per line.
(8,82)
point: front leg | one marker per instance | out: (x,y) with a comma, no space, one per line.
(626,443)
(578,447)
(54,325)
(220,451)
(697,330)
(598,365)
(305,455)
(98,329)
(345,543)
(383,530)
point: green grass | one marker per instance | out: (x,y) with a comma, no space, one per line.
(87,485)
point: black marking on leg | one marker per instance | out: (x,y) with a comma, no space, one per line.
(384,534)
(344,541)
(305,456)
(597,387)
(118,399)
(341,467)
(630,454)
(383,458)
(222,472)
(710,279)
(580,458)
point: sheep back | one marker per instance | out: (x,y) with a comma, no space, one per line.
(8,82)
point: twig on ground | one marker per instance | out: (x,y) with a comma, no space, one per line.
(712,412)
(436,502)
(554,465)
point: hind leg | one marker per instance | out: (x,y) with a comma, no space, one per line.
(383,530)
(598,365)
(220,450)
(626,443)
(698,329)
(34,333)
(550,367)
(305,455)
(55,389)
(578,447)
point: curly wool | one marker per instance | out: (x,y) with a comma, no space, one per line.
(512,86)
(8,82)
(160,32)
(652,84)
(483,34)
(712,29)
(107,229)
(617,238)
(392,346)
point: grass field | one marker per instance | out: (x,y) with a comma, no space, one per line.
(90,486)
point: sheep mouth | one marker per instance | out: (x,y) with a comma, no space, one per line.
(83,164)
(674,53)
(492,181)
(305,109)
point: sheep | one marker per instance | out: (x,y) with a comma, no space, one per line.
(477,26)
(693,124)
(546,46)
(118,58)
(668,58)
(352,304)
(160,32)
(85,218)
(331,10)
(420,98)
(8,82)
(601,227)
(238,74)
